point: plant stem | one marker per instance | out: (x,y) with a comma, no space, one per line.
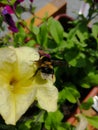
(79,104)
(39,115)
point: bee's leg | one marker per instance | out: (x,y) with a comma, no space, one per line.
(36,72)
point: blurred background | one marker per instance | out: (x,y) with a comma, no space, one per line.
(73,6)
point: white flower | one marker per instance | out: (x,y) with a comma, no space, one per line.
(17,89)
(82,124)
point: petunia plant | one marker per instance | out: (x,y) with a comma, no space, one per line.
(19,85)
(27,100)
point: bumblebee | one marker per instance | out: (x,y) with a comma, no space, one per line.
(45,66)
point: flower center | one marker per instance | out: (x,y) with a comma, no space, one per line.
(13,83)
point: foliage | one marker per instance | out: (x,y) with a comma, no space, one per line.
(75,57)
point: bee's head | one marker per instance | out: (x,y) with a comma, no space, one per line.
(45,58)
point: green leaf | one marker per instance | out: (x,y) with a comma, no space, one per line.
(22,126)
(33,8)
(69,44)
(25,125)
(42,36)
(69,93)
(87,105)
(95,31)
(82,31)
(56,30)
(31,43)
(30,126)
(19,10)
(53,120)
(65,126)
(89,1)
(72,33)
(35,30)
(36,126)
(39,117)
(75,58)
(32,23)
(93,120)
(85,84)
(7,127)
(6,2)
(1,20)
(19,38)
(91,78)
(80,36)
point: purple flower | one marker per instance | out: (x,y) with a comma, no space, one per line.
(13,29)
(31,0)
(9,20)
(9,9)
(17,2)
(47,55)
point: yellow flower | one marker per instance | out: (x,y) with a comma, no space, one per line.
(17,89)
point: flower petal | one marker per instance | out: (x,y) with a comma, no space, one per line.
(9,20)
(14,105)
(26,57)
(9,9)
(7,62)
(47,95)
(24,100)
(16,93)
(7,105)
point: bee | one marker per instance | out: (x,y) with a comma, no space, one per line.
(45,66)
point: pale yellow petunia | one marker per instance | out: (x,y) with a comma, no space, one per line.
(18,89)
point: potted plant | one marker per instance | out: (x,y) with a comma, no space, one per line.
(73,54)
(65,21)
(90,112)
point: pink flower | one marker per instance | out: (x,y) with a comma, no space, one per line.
(7,17)
(9,9)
